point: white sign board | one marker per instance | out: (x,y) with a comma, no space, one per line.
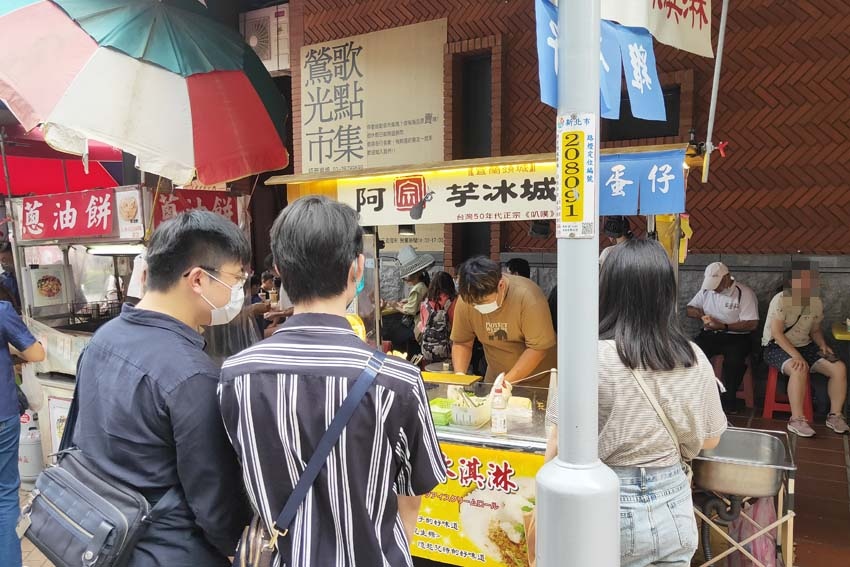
(373,100)
(479,194)
(683,24)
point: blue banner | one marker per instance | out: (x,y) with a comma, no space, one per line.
(645,94)
(662,184)
(647,183)
(619,186)
(610,71)
(547,51)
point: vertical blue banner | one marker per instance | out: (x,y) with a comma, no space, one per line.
(547,51)
(645,94)
(662,182)
(619,185)
(610,71)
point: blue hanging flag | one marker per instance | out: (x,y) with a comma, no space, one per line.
(610,71)
(547,51)
(619,185)
(662,182)
(645,94)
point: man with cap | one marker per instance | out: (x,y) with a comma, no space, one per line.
(729,313)
(618,230)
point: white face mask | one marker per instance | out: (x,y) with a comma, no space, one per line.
(487,308)
(227,313)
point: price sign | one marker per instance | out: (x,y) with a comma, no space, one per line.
(577,152)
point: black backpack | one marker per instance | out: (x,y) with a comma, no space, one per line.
(436,338)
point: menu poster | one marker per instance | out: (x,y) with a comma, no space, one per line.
(50,285)
(130,225)
(480,514)
(57,409)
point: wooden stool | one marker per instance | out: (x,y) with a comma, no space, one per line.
(773,403)
(747,392)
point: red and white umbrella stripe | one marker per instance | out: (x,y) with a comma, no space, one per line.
(213,125)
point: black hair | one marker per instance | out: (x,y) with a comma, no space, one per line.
(314,242)
(442,283)
(268,263)
(422,276)
(637,308)
(267,275)
(519,266)
(478,277)
(192,239)
(254,280)
(5,247)
(618,226)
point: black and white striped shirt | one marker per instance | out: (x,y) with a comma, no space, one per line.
(279,397)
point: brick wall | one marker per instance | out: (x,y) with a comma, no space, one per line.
(782,107)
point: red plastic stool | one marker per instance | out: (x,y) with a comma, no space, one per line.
(773,403)
(747,393)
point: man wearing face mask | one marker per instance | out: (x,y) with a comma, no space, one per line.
(147,393)
(510,316)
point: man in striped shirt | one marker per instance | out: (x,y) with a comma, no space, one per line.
(279,397)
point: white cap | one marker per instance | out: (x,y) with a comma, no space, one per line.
(713,274)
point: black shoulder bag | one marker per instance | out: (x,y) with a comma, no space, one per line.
(256,547)
(78,516)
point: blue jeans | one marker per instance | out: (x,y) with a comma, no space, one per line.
(657,524)
(10,482)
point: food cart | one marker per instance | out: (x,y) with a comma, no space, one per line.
(74,256)
(478,517)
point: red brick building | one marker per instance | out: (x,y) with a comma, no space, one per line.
(782,188)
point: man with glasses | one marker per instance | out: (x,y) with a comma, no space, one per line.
(149,411)
(510,316)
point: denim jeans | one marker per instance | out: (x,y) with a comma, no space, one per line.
(10,481)
(657,524)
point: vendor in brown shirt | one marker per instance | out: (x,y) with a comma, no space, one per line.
(510,316)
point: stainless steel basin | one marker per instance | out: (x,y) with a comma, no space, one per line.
(747,462)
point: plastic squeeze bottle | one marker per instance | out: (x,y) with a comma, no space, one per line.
(498,413)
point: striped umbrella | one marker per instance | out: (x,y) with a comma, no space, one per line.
(156,78)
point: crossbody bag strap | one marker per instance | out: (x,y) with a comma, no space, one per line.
(326,444)
(169,501)
(71,422)
(689,473)
(654,402)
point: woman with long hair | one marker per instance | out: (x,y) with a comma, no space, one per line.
(16,335)
(645,358)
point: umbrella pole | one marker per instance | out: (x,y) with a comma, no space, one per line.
(65,175)
(5,163)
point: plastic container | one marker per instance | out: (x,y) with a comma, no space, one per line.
(441,411)
(471,415)
(520,410)
(498,413)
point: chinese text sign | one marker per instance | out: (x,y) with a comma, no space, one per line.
(170,205)
(373,100)
(528,191)
(479,515)
(68,215)
(683,24)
